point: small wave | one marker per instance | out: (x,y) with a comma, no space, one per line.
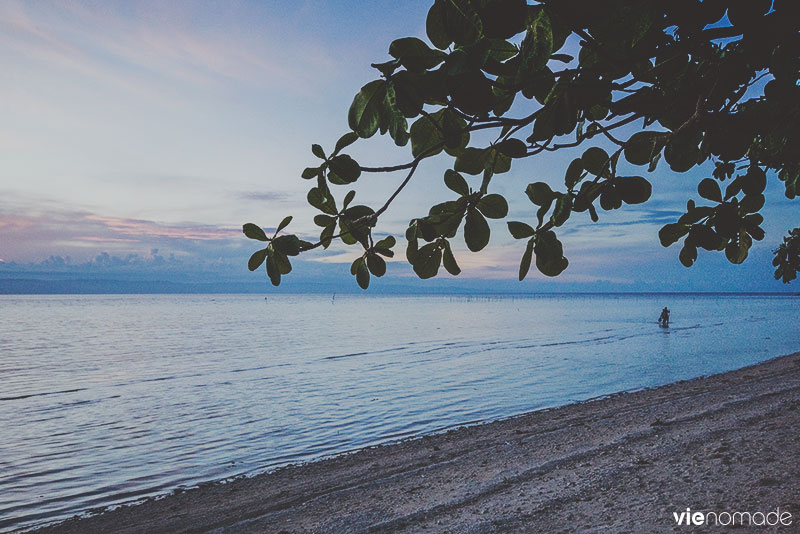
(19,397)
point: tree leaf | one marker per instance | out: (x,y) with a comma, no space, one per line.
(317,151)
(688,255)
(520,230)
(633,189)
(643,146)
(362,275)
(284,223)
(471,161)
(709,189)
(344,141)
(562,210)
(310,172)
(737,249)
(436,25)
(348,198)
(671,233)
(415,55)
(364,114)
(343,169)
(574,173)
(376,265)
(537,46)
(525,264)
(456,183)
(257,259)
(281,262)
(539,193)
(549,254)
(425,135)
(387,242)
(323,201)
(493,206)
(287,244)
(513,148)
(272,270)
(449,261)
(595,160)
(427,261)
(476,231)
(254,232)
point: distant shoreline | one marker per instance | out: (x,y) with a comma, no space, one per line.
(625,462)
(43,287)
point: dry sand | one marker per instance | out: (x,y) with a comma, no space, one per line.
(623,463)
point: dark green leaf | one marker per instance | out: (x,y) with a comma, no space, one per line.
(449,261)
(272,270)
(362,275)
(287,244)
(642,147)
(323,220)
(737,249)
(471,161)
(456,183)
(595,160)
(493,206)
(520,230)
(436,25)
(549,254)
(254,232)
(344,141)
(476,231)
(752,203)
(709,189)
(257,259)
(688,255)
(562,210)
(343,170)
(415,55)
(525,264)
(281,262)
(427,261)
(310,172)
(317,151)
(326,235)
(426,137)
(633,189)
(574,173)
(376,265)
(671,233)
(348,198)
(755,181)
(386,242)
(323,201)
(284,223)
(513,148)
(539,193)
(367,106)
(537,47)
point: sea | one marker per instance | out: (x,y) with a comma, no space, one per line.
(110,399)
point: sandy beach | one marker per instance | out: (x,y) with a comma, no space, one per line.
(624,463)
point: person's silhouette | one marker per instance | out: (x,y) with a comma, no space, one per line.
(663,319)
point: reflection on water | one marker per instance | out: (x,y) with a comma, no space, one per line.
(106,399)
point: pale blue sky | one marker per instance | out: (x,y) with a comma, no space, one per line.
(133,126)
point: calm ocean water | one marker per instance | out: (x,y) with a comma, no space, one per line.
(109,399)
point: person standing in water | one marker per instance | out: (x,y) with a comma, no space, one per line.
(663,319)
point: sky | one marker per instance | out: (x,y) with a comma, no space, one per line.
(137,137)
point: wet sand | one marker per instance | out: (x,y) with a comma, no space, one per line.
(623,463)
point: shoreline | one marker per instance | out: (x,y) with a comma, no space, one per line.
(621,462)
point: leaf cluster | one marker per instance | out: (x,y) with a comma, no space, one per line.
(659,81)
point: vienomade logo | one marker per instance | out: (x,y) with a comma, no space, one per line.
(725,519)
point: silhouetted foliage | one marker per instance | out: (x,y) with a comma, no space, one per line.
(691,86)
